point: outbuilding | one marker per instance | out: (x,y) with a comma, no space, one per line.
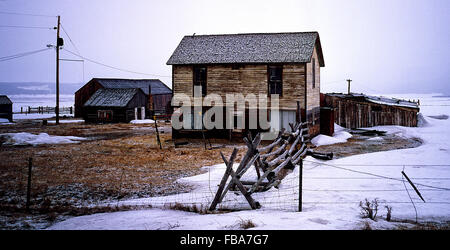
(115,105)
(6,110)
(360,110)
(158,95)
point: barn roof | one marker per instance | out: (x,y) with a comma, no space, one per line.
(378,99)
(113,97)
(158,87)
(295,47)
(5,100)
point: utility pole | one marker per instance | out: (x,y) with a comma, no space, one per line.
(59,42)
(349,81)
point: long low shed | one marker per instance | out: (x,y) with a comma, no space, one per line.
(360,110)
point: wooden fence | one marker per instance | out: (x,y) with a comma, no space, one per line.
(45,110)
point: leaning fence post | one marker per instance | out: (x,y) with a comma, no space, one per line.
(157,132)
(30,165)
(300,185)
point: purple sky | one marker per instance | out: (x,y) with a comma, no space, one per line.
(384,46)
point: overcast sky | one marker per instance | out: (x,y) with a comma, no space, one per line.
(384,46)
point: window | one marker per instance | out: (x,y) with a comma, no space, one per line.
(105,115)
(275,79)
(314,72)
(200,78)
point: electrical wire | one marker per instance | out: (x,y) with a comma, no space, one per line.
(112,67)
(25,14)
(25,27)
(70,39)
(7,58)
(377,175)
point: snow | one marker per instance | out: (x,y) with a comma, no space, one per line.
(145,121)
(37,116)
(378,138)
(339,136)
(332,190)
(42,138)
(5,122)
(67,121)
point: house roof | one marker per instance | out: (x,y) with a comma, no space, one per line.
(5,100)
(247,48)
(158,87)
(378,99)
(113,97)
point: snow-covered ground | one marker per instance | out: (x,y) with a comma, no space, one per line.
(144,121)
(42,138)
(37,116)
(332,190)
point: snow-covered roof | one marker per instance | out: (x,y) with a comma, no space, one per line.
(295,47)
(111,97)
(157,86)
(5,100)
(378,99)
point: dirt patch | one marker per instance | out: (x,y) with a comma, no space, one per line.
(360,144)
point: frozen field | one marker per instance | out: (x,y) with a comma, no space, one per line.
(332,190)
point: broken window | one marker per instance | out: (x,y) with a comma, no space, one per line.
(200,78)
(275,79)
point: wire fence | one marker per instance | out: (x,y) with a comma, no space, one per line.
(321,190)
(325,192)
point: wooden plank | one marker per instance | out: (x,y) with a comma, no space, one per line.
(224,178)
(239,175)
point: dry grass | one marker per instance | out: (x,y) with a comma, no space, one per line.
(246,224)
(127,163)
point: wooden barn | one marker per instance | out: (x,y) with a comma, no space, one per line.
(287,64)
(360,110)
(114,105)
(160,94)
(6,109)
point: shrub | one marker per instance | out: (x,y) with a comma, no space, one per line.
(389,212)
(246,224)
(369,209)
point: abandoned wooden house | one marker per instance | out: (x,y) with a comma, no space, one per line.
(360,110)
(287,64)
(6,110)
(115,105)
(158,102)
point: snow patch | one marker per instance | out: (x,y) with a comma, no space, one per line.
(339,136)
(376,139)
(67,121)
(146,121)
(23,138)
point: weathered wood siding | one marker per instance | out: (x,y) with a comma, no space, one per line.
(313,95)
(246,79)
(358,114)
(83,94)
(6,111)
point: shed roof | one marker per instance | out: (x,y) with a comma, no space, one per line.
(295,47)
(113,97)
(378,99)
(5,100)
(158,87)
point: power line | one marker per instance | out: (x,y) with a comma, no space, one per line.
(7,58)
(112,67)
(24,14)
(70,39)
(25,27)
